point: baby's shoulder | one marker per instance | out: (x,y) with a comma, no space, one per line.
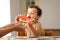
(38,23)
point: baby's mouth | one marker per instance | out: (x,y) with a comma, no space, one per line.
(29,17)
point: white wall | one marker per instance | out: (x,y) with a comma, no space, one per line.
(23,7)
(5,13)
(17,7)
(15,10)
(51,14)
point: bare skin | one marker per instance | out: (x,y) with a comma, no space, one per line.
(33,29)
(9,28)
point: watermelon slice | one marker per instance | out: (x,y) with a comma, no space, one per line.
(24,19)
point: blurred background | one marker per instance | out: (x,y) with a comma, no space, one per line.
(50,19)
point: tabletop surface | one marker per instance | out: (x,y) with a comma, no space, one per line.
(32,38)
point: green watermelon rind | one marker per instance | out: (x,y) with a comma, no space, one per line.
(21,21)
(33,20)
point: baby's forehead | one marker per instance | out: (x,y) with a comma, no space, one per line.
(32,10)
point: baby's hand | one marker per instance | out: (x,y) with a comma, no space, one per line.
(17,18)
(28,25)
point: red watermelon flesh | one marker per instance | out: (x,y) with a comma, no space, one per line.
(25,19)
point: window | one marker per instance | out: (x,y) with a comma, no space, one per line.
(4,12)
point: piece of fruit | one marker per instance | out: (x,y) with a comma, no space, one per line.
(24,19)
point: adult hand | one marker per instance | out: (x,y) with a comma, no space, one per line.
(18,27)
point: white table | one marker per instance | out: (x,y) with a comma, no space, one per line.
(32,38)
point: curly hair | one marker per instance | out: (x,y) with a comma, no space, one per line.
(39,11)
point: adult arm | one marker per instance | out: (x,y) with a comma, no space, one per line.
(9,28)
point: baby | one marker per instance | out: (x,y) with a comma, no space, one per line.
(34,29)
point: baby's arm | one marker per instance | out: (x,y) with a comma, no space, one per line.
(40,30)
(36,29)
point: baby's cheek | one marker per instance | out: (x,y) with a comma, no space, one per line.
(32,16)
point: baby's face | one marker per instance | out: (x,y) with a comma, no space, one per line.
(32,13)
